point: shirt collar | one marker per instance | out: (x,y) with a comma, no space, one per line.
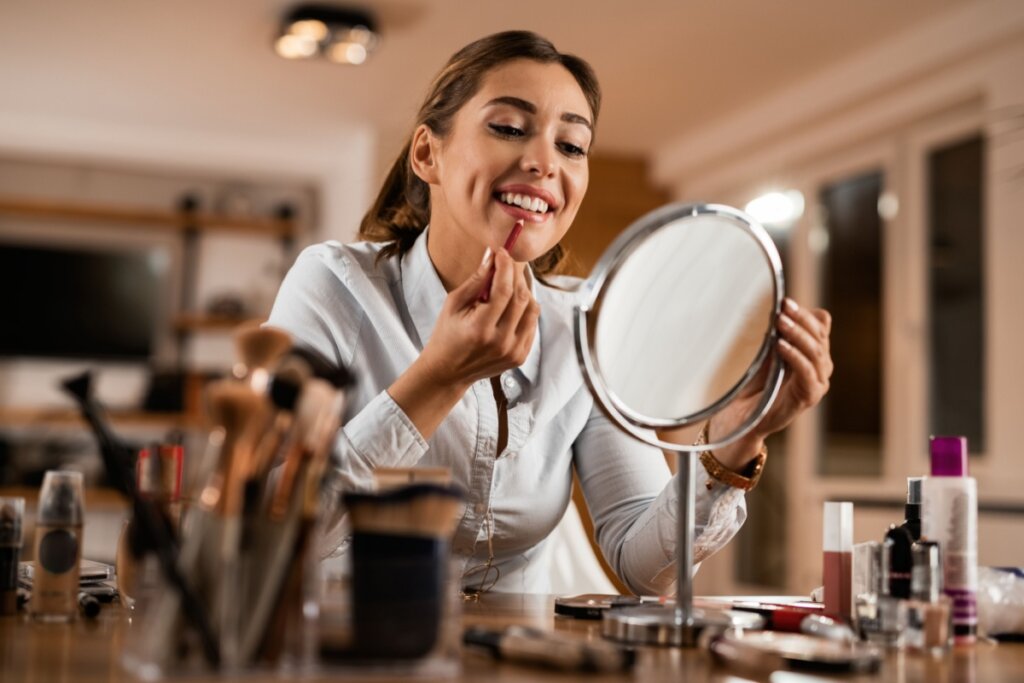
(425,295)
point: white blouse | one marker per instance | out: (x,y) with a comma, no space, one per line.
(376,318)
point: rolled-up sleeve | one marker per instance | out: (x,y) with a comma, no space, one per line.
(633,500)
(380,435)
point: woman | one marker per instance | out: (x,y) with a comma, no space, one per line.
(491,389)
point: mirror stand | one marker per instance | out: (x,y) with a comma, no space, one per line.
(677,624)
(704,280)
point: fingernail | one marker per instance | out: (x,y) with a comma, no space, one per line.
(786,320)
(791,305)
(486,261)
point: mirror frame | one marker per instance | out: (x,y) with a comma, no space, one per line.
(592,295)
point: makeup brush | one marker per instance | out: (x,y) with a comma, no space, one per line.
(241,413)
(316,400)
(259,349)
(147,515)
(308,490)
(429,510)
(285,386)
(292,514)
(510,241)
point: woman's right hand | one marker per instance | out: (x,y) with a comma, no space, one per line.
(472,340)
(475,340)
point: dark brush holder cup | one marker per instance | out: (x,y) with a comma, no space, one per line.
(402,596)
(398,594)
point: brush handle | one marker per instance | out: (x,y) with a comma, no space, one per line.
(287,482)
(145,511)
(152,524)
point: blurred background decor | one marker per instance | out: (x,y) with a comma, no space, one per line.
(879,142)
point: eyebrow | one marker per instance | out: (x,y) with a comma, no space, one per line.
(530,108)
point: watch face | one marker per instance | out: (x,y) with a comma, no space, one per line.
(58,551)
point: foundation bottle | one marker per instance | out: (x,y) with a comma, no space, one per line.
(58,547)
(881,617)
(929,613)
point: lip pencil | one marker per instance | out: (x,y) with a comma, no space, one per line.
(510,241)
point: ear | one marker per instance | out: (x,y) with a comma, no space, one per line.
(423,154)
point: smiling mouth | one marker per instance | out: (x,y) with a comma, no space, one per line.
(525,202)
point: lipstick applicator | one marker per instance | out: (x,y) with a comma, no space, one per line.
(510,241)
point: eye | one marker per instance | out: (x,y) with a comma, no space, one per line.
(507,131)
(572,150)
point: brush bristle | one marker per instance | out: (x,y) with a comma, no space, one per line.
(418,510)
(261,347)
(79,386)
(286,383)
(234,406)
(323,368)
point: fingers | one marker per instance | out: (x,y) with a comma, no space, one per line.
(817,321)
(805,346)
(497,333)
(502,289)
(468,292)
(808,331)
(520,299)
(809,389)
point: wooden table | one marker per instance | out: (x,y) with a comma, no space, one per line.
(90,652)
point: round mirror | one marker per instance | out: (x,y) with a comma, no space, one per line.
(678,318)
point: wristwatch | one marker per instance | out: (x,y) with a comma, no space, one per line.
(744,480)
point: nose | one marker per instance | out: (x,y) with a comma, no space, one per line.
(539,157)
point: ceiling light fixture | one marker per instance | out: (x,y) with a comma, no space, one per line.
(342,35)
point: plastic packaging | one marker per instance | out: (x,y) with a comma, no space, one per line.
(1001,602)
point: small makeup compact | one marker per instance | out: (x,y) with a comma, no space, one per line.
(768,650)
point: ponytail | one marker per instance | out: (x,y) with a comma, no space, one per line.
(400,212)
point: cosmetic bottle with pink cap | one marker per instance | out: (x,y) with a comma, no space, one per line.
(950,517)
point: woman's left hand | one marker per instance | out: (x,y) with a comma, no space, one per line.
(804,347)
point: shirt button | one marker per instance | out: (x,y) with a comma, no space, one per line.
(509,382)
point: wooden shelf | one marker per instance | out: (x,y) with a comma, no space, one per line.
(96,498)
(169,220)
(28,417)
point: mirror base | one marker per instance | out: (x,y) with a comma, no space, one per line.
(664,625)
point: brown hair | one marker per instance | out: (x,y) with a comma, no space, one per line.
(402,208)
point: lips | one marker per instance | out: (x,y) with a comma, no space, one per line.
(525,202)
(521,214)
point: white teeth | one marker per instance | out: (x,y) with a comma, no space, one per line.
(535,204)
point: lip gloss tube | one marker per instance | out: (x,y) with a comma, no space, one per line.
(510,241)
(837,569)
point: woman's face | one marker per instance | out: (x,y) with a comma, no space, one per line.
(516,151)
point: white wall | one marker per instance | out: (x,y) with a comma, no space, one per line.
(885,108)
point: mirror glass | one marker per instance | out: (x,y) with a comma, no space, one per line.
(681,315)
